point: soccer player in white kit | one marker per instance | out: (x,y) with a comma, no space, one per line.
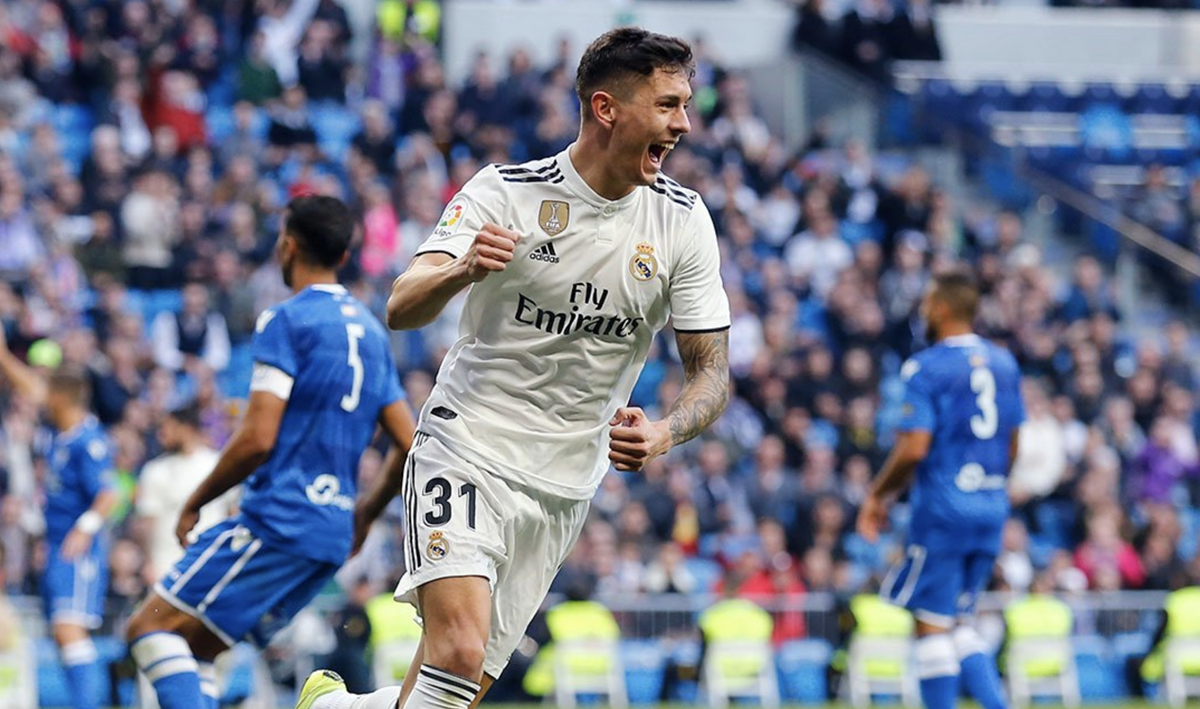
(167,481)
(574,263)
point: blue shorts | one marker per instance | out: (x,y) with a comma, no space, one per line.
(73,591)
(239,587)
(939,586)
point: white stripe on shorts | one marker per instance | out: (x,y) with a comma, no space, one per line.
(213,547)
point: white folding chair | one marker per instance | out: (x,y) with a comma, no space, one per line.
(391,659)
(863,683)
(720,686)
(18,677)
(1180,655)
(589,666)
(1022,687)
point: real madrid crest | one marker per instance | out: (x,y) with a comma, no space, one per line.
(643,265)
(438,547)
(554,216)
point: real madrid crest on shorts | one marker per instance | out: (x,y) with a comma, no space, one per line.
(553,216)
(643,265)
(438,547)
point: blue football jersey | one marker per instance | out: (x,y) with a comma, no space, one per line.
(966,392)
(333,356)
(79,466)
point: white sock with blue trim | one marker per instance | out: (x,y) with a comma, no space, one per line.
(168,662)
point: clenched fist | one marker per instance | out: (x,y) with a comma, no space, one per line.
(492,250)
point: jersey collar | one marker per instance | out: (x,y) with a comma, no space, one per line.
(581,187)
(65,437)
(335,288)
(968,340)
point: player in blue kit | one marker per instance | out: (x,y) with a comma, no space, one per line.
(962,408)
(78,498)
(323,378)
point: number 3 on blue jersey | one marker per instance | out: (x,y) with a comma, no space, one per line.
(983,383)
(354,333)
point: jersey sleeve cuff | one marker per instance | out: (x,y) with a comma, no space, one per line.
(700,326)
(438,249)
(272,380)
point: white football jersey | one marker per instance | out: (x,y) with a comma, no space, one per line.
(164,486)
(551,347)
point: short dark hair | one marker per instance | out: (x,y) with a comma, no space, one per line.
(958,289)
(323,227)
(188,415)
(616,55)
(72,382)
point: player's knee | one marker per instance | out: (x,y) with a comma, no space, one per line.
(459,653)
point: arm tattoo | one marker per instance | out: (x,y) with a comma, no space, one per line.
(705,390)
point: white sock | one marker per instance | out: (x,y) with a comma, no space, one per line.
(208,679)
(438,689)
(379,699)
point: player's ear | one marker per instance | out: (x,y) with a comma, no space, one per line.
(604,108)
(342,261)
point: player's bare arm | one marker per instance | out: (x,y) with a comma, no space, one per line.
(705,392)
(79,539)
(24,378)
(635,440)
(397,422)
(249,448)
(910,449)
(422,291)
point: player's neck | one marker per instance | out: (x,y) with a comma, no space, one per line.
(304,277)
(68,420)
(587,156)
(949,330)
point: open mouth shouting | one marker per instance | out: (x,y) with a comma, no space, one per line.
(658,153)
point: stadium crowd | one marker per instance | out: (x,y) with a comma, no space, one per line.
(143,163)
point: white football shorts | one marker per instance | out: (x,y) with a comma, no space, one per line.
(464,521)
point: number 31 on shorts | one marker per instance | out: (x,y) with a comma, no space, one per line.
(440,489)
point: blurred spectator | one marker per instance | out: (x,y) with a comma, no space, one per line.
(1109,562)
(20,246)
(194,333)
(1041,459)
(912,35)
(667,573)
(1158,472)
(149,222)
(258,81)
(816,256)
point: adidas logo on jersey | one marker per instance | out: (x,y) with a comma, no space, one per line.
(545,252)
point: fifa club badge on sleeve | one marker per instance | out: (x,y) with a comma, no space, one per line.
(643,265)
(554,216)
(438,547)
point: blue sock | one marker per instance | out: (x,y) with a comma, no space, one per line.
(978,672)
(937,668)
(168,663)
(83,673)
(208,685)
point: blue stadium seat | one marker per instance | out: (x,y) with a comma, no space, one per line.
(1044,96)
(336,127)
(218,120)
(235,380)
(1100,678)
(1107,134)
(1154,98)
(801,665)
(941,99)
(706,572)
(644,666)
(70,117)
